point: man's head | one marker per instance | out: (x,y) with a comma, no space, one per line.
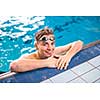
(45,42)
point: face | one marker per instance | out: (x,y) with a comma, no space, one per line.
(46,46)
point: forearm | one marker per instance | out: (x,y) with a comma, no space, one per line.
(75,48)
(22,65)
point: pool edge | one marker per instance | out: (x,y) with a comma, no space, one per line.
(8,74)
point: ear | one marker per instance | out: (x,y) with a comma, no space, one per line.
(35,44)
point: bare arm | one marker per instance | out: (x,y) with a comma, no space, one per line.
(22,65)
(62,50)
(75,48)
(64,60)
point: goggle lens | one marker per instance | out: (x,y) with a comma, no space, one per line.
(46,39)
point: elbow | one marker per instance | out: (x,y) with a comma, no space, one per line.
(14,66)
(78,45)
(19,66)
(79,41)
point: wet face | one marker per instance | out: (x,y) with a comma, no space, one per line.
(46,46)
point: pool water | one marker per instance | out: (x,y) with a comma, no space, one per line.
(17,32)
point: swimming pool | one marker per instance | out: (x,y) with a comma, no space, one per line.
(17,32)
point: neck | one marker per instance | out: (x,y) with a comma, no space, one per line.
(39,56)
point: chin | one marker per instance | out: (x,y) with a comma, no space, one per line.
(47,56)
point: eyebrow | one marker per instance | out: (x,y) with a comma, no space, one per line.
(47,42)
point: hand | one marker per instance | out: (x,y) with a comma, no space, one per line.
(52,61)
(63,62)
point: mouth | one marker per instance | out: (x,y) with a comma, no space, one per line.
(49,53)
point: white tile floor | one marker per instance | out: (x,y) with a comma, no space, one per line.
(98,67)
(88,72)
(60,78)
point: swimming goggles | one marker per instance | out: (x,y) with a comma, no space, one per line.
(47,38)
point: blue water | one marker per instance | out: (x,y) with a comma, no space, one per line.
(17,32)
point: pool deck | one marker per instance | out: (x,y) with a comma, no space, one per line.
(83,68)
(87,72)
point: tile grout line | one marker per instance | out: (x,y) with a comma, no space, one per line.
(96,80)
(98,68)
(60,75)
(72,79)
(78,76)
(93,65)
(46,80)
(51,80)
(98,42)
(85,72)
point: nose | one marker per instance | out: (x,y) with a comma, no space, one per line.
(49,47)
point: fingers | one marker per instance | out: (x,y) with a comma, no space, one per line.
(58,63)
(65,67)
(62,64)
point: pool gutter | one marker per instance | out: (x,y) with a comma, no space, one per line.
(8,74)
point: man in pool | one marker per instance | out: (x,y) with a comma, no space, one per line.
(47,55)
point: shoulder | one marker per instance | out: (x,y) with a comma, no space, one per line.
(28,56)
